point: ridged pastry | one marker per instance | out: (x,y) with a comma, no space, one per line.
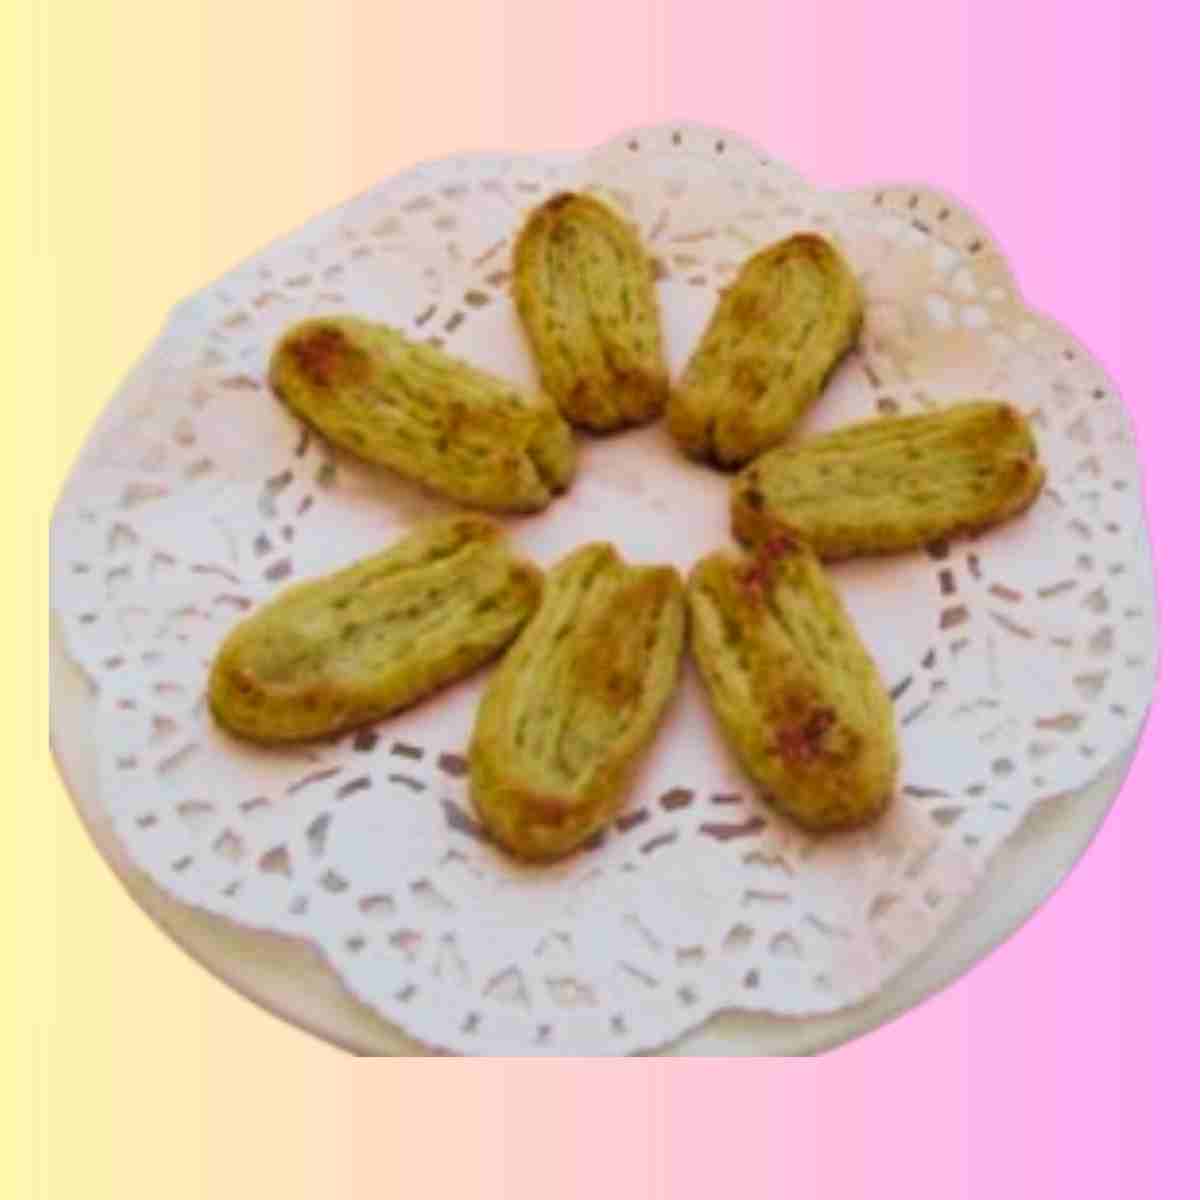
(894,483)
(434,419)
(335,652)
(575,701)
(584,290)
(778,331)
(797,696)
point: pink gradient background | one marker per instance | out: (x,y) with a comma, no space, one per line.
(1060,1066)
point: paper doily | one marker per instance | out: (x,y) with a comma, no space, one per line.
(1022,661)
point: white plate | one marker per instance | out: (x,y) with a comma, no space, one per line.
(1022,661)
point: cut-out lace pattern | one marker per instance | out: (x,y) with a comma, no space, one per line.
(1021,661)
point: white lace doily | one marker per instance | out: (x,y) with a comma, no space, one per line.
(1022,661)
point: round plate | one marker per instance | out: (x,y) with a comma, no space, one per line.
(922,330)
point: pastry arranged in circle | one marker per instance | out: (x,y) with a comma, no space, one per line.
(795,692)
(778,331)
(575,702)
(597,643)
(892,484)
(332,653)
(432,418)
(584,290)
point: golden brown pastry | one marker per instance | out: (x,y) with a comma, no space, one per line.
(584,289)
(432,418)
(339,651)
(777,333)
(575,701)
(894,483)
(797,696)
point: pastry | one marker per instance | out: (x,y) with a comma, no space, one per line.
(894,483)
(584,290)
(777,333)
(433,419)
(797,696)
(335,652)
(575,701)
